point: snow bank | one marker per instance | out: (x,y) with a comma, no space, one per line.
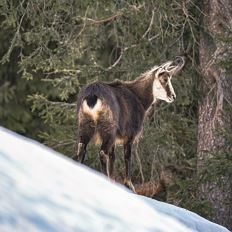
(41,190)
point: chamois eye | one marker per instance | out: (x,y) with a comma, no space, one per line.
(164,79)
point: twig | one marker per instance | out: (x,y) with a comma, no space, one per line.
(188,19)
(116,62)
(84,25)
(62,104)
(7,55)
(64,144)
(120,57)
(150,25)
(153,37)
(111,18)
(153,163)
(63,71)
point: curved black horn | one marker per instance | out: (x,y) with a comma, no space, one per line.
(179,60)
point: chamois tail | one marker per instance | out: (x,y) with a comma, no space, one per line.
(93,97)
(92,105)
(91,100)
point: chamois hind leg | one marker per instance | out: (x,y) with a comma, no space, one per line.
(83,140)
(104,154)
(127,157)
(81,149)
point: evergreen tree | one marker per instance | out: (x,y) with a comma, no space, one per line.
(215,121)
(55,47)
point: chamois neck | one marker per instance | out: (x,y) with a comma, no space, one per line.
(143,89)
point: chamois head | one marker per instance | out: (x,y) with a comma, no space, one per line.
(162,86)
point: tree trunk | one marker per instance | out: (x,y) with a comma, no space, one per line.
(214,116)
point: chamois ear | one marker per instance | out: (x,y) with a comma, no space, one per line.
(164,77)
(161,73)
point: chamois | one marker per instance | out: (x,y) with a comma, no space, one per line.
(113,113)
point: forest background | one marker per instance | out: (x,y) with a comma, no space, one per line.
(50,49)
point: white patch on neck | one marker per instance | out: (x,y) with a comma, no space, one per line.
(158,91)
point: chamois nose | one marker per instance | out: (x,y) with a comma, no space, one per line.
(171,97)
(174,96)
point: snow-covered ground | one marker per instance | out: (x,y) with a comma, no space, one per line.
(41,190)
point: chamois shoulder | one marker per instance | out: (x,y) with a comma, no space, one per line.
(115,83)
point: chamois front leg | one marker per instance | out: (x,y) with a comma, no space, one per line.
(127,157)
(104,154)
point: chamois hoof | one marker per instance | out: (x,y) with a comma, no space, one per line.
(129,185)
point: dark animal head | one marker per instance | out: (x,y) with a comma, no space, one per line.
(162,86)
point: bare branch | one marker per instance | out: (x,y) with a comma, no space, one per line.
(151,23)
(84,25)
(63,71)
(111,18)
(116,62)
(64,143)
(7,55)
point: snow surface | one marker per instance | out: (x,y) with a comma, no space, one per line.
(41,190)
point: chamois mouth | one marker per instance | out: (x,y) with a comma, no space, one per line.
(170,99)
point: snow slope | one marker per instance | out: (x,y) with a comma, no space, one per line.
(41,190)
